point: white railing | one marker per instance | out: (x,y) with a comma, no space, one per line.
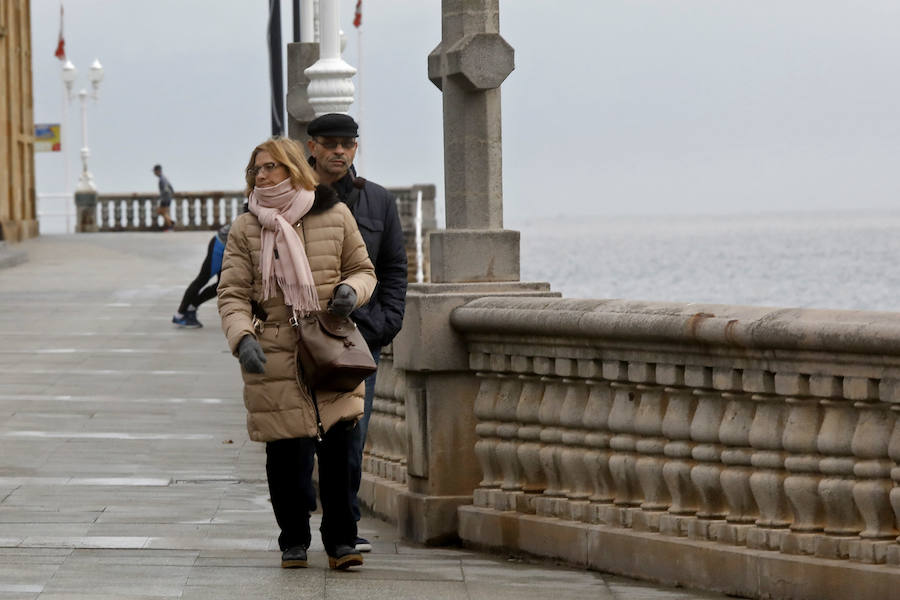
(56,213)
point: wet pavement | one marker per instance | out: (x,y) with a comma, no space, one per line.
(125,468)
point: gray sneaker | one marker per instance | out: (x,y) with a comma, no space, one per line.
(363,545)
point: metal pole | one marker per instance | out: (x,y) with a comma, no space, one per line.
(359,78)
(64,148)
(420,275)
(276,68)
(307,21)
(86,183)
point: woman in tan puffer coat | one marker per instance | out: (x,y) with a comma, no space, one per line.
(297,249)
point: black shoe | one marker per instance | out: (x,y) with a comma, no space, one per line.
(344,557)
(363,545)
(294,558)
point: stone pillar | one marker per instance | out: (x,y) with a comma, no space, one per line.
(300,56)
(472,258)
(85,211)
(468,66)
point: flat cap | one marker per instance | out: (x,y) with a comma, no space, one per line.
(333,125)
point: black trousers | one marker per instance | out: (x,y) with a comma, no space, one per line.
(194,294)
(289,469)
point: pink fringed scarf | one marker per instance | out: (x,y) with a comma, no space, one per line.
(283,259)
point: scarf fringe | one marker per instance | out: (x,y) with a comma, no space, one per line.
(303,298)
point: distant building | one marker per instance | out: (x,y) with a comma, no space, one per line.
(18,217)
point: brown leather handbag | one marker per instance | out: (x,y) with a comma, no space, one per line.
(331,352)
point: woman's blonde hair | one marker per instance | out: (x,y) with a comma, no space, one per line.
(290,154)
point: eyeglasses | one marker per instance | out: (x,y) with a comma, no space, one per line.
(347,144)
(266,168)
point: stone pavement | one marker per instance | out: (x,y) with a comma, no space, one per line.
(125,469)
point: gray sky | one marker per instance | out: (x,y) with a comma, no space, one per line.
(615,107)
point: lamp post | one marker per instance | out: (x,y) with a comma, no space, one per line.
(95,76)
(86,192)
(330,87)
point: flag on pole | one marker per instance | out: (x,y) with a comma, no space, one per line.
(357,17)
(61,44)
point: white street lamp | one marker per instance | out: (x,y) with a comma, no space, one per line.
(95,76)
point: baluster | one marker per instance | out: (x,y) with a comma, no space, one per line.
(596,459)
(872,489)
(622,462)
(676,428)
(396,386)
(504,451)
(649,466)
(219,208)
(767,482)
(574,471)
(129,214)
(101,214)
(706,473)
(117,214)
(204,212)
(801,486)
(528,453)
(551,439)
(378,439)
(894,452)
(734,433)
(143,214)
(507,449)
(485,429)
(842,519)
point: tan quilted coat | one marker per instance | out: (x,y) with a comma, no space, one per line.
(277,406)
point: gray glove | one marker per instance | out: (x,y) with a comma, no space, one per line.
(251,355)
(343,302)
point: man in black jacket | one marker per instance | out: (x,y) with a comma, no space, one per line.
(332,147)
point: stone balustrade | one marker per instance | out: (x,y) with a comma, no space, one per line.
(749,444)
(190,210)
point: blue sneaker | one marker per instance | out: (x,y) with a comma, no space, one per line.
(188,320)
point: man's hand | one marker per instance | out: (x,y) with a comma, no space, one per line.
(343,302)
(251,355)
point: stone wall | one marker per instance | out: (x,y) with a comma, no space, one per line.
(17,192)
(754,451)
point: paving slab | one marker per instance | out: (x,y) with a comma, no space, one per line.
(125,468)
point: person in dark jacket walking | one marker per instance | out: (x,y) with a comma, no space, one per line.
(332,147)
(196,294)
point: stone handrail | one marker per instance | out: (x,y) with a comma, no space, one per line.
(688,432)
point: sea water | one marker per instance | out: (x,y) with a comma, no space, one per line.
(817,260)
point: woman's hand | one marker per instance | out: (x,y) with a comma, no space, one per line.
(251,355)
(343,302)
